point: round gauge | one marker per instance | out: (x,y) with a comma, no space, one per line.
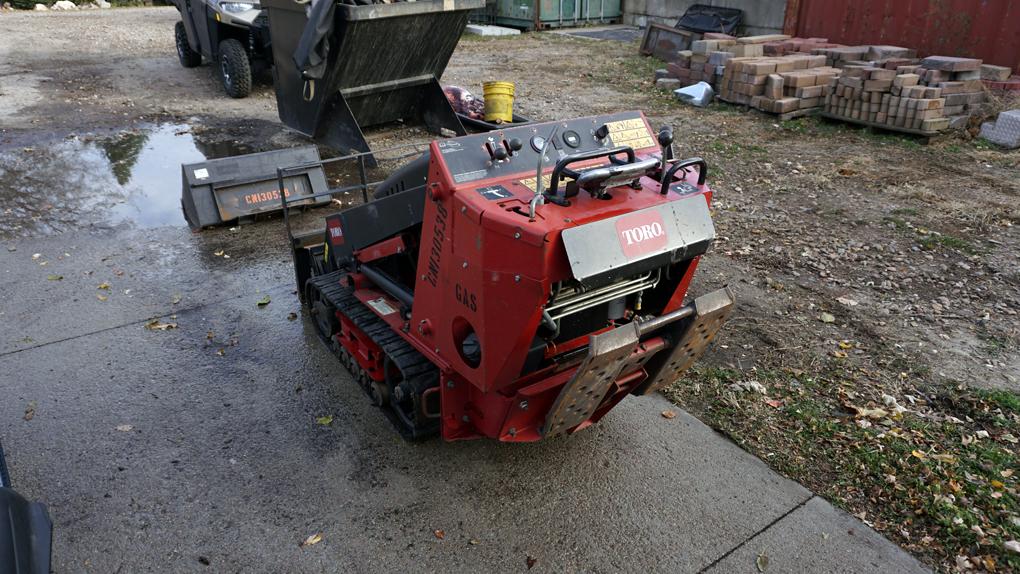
(537,143)
(571,138)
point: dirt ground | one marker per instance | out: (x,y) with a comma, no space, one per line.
(871,270)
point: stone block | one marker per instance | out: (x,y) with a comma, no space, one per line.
(950,63)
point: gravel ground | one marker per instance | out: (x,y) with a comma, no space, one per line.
(869,258)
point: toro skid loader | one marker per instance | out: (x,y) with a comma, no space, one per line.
(518,284)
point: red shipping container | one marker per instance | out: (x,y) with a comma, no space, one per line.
(985,29)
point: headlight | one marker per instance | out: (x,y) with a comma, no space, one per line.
(237,7)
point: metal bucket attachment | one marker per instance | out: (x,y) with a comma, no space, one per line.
(608,354)
(710,312)
(238,188)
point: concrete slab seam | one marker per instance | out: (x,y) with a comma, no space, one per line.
(135,322)
(756,534)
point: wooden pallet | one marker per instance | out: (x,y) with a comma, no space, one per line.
(781,117)
(883,127)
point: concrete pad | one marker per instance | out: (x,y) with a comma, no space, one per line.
(223,451)
(155,452)
(818,537)
(145,269)
(490,30)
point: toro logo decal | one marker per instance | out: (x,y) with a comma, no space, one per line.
(336,233)
(641,233)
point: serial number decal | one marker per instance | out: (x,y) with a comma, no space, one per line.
(264,196)
(381,306)
(469,176)
(631,133)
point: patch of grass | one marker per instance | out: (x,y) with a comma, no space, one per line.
(938,475)
(933,240)
(731,148)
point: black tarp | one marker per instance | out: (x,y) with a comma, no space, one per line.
(703,18)
(313,47)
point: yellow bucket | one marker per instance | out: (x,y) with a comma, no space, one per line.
(499,102)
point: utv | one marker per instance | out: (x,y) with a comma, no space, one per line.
(233,33)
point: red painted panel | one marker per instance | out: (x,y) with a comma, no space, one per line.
(986,29)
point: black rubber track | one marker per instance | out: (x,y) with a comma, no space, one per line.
(413,366)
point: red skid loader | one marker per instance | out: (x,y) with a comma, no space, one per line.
(518,284)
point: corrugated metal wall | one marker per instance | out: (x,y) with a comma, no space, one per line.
(986,29)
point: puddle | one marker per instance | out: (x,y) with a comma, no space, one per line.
(132,178)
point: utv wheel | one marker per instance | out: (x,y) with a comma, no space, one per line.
(188,57)
(235,69)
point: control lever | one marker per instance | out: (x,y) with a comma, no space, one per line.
(666,143)
(682,165)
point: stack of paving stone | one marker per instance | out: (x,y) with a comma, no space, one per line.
(888,99)
(797,45)
(960,82)
(791,85)
(867,56)
(707,58)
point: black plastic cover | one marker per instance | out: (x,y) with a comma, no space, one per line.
(703,18)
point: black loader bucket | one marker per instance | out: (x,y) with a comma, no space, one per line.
(242,187)
(339,67)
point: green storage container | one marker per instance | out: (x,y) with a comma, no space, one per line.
(538,14)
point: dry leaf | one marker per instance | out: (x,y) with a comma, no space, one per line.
(125,428)
(1012,546)
(103,285)
(827,318)
(531,562)
(312,540)
(325,421)
(439,533)
(157,325)
(474,542)
(54,277)
(30,411)
(175,299)
(263,301)
(774,403)
(102,297)
(219,253)
(761,562)
(291,316)
(668,414)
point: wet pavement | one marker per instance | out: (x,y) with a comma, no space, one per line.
(197,448)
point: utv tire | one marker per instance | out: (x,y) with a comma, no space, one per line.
(235,69)
(188,57)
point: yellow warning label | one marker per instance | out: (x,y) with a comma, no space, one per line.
(631,133)
(530,182)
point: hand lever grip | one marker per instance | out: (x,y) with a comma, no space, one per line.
(667,176)
(561,168)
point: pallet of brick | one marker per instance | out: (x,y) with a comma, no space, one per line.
(790,85)
(883,98)
(959,80)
